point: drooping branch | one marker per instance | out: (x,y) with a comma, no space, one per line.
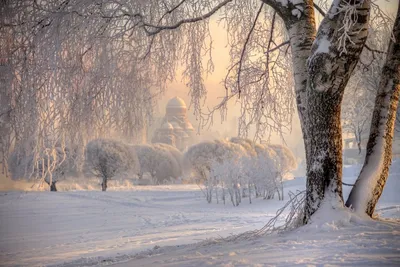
(154,29)
(245,46)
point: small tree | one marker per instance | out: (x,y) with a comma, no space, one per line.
(161,161)
(147,159)
(51,165)
(227,176)
(167,165)
(265,173)
(199,158)
(107,159)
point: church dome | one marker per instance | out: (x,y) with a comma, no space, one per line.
(176,102)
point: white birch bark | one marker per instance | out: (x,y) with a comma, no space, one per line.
(334,54)
(371,181)
(302,32)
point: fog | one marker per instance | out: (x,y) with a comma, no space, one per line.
(215,87)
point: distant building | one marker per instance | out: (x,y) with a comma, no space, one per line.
(175,128)
(351,153)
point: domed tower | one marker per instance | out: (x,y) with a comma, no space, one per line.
(176,107)
(165,134)
(176,112)
(175,123)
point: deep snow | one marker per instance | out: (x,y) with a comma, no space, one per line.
(52,227)
(149,225)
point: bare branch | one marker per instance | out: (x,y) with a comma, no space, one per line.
(278,46)
(159,28)
(245,45)
(319,10)
(374,50)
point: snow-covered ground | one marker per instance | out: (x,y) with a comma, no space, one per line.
(149,225)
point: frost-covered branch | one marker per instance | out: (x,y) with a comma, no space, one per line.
(154,29)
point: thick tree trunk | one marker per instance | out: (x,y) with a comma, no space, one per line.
(302,33)
(371,181)
(324,171)
(329,69)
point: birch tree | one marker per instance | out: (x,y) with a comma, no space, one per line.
(369,185)
(360,93)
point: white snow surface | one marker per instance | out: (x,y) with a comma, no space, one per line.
(173,225)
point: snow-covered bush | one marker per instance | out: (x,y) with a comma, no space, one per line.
(50,166)
(109,159)
(246,144)
(175,153)
(161,161)
(225,178)
(239,168)
(287,161)
(168,166)
(147,160)
(199,158)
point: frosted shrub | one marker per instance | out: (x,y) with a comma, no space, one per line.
(108,159)
(239,168)
(50,166)
(161,161)
(224,179)
(199,158)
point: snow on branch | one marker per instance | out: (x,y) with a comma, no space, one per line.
(350,19)
(154,29)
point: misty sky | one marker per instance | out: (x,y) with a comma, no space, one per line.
(215,87)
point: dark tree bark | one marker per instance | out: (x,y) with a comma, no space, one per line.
(324,171)
(53,187)
(104,184)
(371,181)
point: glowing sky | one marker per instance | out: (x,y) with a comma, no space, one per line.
(215,88)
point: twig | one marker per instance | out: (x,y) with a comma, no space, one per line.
(245,45)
